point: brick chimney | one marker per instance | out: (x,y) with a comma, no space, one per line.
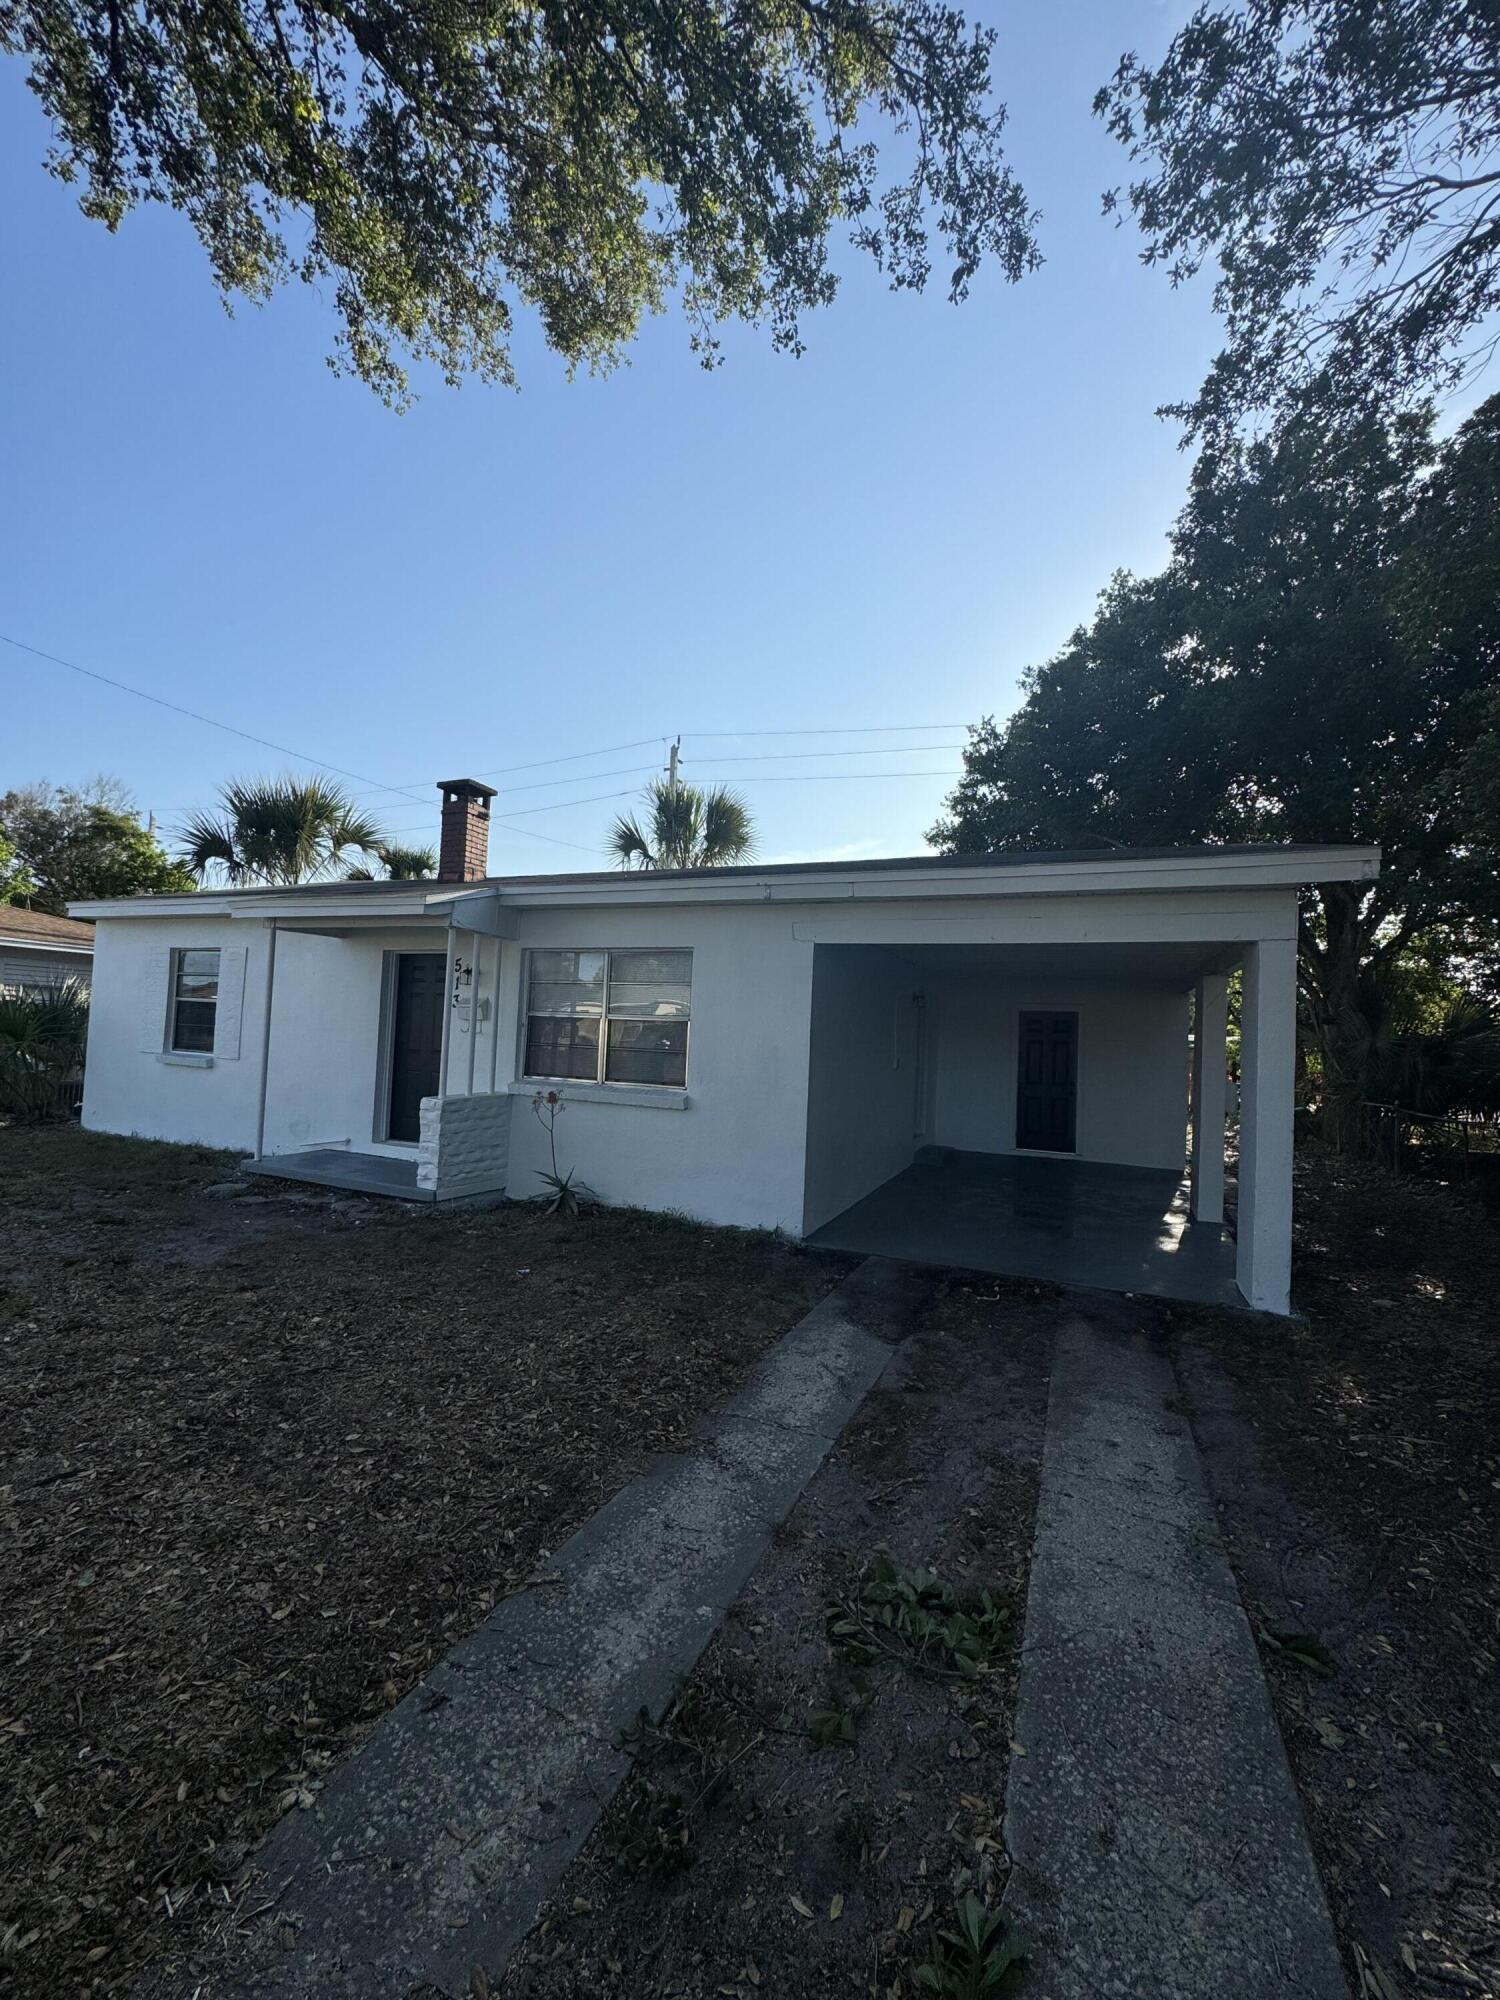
(464,852)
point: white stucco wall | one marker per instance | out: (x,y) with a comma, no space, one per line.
(325,1036)
(127,1088)
(764,1134)
(734,1152)
(1132,1066)
(862,1113)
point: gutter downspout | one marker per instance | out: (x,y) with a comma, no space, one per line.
(265,1043)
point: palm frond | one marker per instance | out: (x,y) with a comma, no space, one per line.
(728,829)
(629,844)
(348,830)
(687,827)
(406,864)
(277,830)
(207,843)
(42,1038)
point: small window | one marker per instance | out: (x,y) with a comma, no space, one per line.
(195,1002)
(609,1016)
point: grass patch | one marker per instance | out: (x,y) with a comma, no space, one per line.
(47,1163)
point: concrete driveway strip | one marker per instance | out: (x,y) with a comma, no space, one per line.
(1157,1839)
(431,1851)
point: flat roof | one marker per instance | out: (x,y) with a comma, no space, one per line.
(1015,857)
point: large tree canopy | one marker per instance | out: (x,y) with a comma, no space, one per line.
(1338,161)
(1319,661)
(438,162)
(16,879)
(82,845)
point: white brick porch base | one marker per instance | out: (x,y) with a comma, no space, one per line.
(465,1145)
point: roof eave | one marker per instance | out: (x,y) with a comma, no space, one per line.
(1109,871)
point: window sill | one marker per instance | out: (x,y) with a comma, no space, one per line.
(641,1096)
(180,1059)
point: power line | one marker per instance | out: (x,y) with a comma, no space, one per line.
(541,763)
(770,778)
(825,777)
(759,757)
(318,763)
(549,784)
(860,729)
(877,750)
(724,735)
(532,834)
(408,791)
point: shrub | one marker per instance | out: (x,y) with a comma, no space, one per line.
(42,1036)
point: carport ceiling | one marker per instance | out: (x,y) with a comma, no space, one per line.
(1174,965)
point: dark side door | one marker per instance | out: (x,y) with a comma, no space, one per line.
(1047,1085)
(416,1039)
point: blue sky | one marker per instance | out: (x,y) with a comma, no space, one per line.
(879,536)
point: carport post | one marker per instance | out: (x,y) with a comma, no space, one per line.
(1210,1033)
(1268,1034)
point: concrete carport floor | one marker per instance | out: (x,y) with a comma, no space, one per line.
(1024,1107)
(1068,1222)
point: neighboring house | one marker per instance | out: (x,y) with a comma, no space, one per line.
(765,1046)
(38,950)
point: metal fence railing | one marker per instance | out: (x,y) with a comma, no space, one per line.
(67,1099)
(1396,1136)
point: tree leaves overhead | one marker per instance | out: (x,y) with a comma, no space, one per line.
(1338,162)
(1319,661)
(437,163)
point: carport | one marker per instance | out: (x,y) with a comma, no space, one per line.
(1025,1107)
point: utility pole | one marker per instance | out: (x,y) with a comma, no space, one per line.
(672,758)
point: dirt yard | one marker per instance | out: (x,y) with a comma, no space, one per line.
(264,1459)
(805,1820)
(1355,1461)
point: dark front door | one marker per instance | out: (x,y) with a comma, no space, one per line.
(416,1039)
(1047,1086)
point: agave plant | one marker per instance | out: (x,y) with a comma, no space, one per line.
(562,1194)
(685,827)
(42,1037)
(278,831)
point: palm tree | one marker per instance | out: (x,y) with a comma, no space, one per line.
(401,864)
(687,827)
(42,1037)
(278,831)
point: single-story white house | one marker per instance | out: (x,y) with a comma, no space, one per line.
(38,949)
(979,1059)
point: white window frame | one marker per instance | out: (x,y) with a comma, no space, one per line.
(174,997)
(599,1081)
